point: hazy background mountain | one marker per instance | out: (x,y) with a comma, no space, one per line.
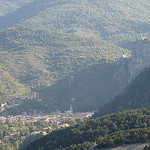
(116,21)
(8,6)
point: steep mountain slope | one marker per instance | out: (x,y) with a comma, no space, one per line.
(117,21)
(62,38)
(111,130)
(34,59)
(99,84)
(135,95)
(85,90)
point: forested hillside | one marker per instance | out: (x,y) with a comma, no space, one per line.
(54,53)
(111,130)
(135,95)
(43,42)
(33,59)
(86,90)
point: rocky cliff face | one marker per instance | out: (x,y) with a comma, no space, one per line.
(129,67)
(140,57)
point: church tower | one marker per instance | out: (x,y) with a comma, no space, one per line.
(71,109)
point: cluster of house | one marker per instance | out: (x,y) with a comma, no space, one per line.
(57,118)
(54,117)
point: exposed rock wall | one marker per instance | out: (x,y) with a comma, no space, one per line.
(129,67)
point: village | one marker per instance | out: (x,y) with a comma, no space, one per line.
(57,117)
(54,120)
